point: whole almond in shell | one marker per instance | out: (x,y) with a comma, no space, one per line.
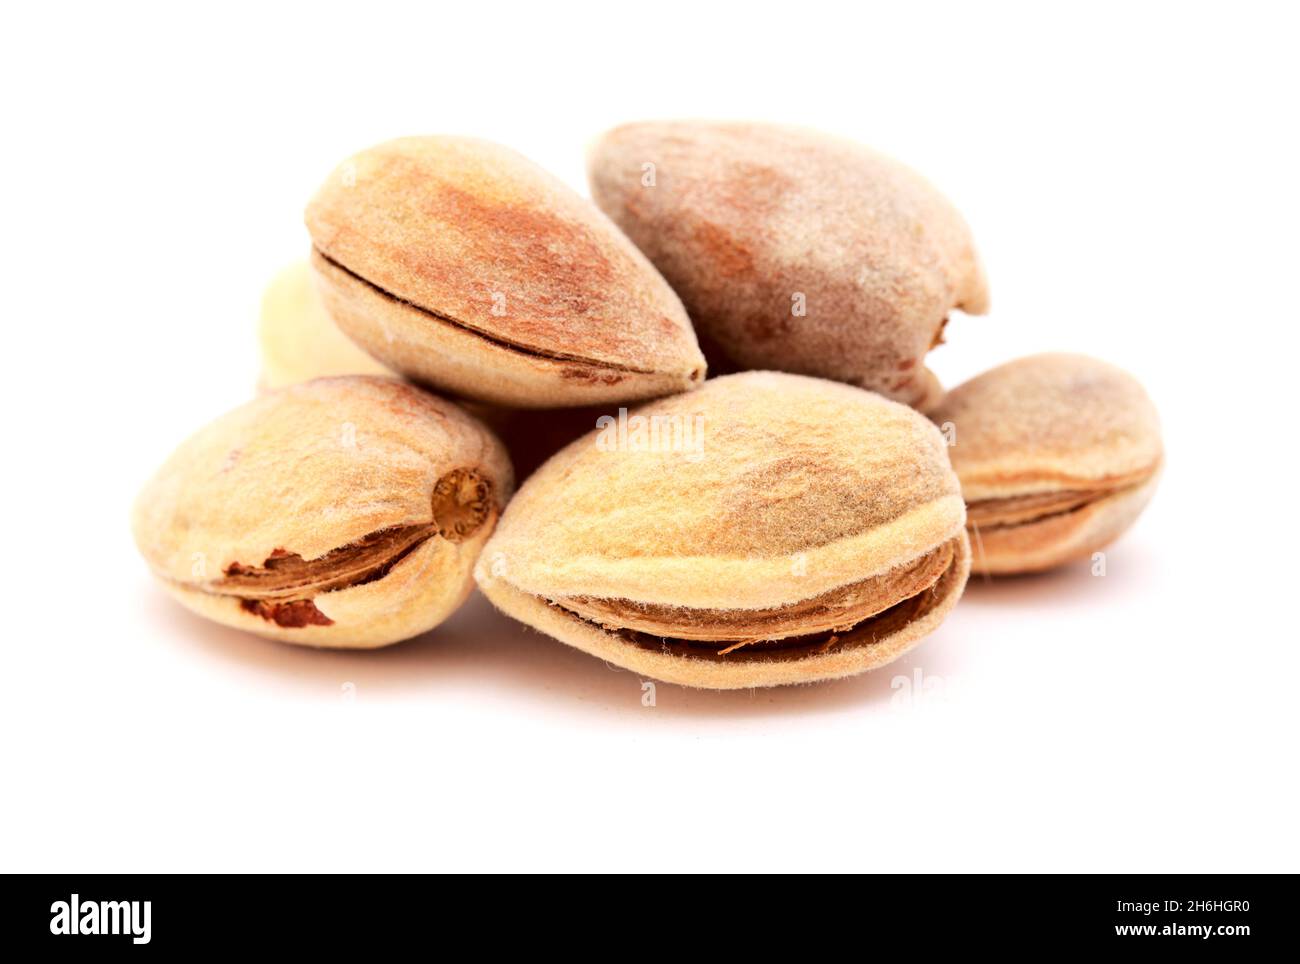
(765,529)
(1058,455)
(462,265)
(793,250)
(341,512)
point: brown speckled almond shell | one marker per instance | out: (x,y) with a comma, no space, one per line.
(314,467)
(1046,423)
(462,265)
(742,217)
(798,487)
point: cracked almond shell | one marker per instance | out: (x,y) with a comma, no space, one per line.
(752,222)
(462,265)
(341,512)
(1058,455)
(299,340)
(808,530)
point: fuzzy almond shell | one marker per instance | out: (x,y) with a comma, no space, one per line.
(791,487)
(1051,421)
(744,669)
(299,340)
(417,594)
(742,219)
(531,278)
(308,469)
(1058,539)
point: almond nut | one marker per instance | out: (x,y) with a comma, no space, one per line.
(765,529)
(793,250)
(1057,455)
(341,512)
(460,264)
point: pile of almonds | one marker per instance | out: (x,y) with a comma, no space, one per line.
(810,511)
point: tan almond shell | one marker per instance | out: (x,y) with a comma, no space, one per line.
(790,470)
(1059,539)
(741,218)
(1053,423)
(1049,422)
(298,338)
(744,670)
(310,468)
(799,486)
(461,264)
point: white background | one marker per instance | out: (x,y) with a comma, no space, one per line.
(1130,173)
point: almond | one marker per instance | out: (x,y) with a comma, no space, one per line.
(1057,454)
(462,265)
(765,529)
(793,250)
(341,512)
